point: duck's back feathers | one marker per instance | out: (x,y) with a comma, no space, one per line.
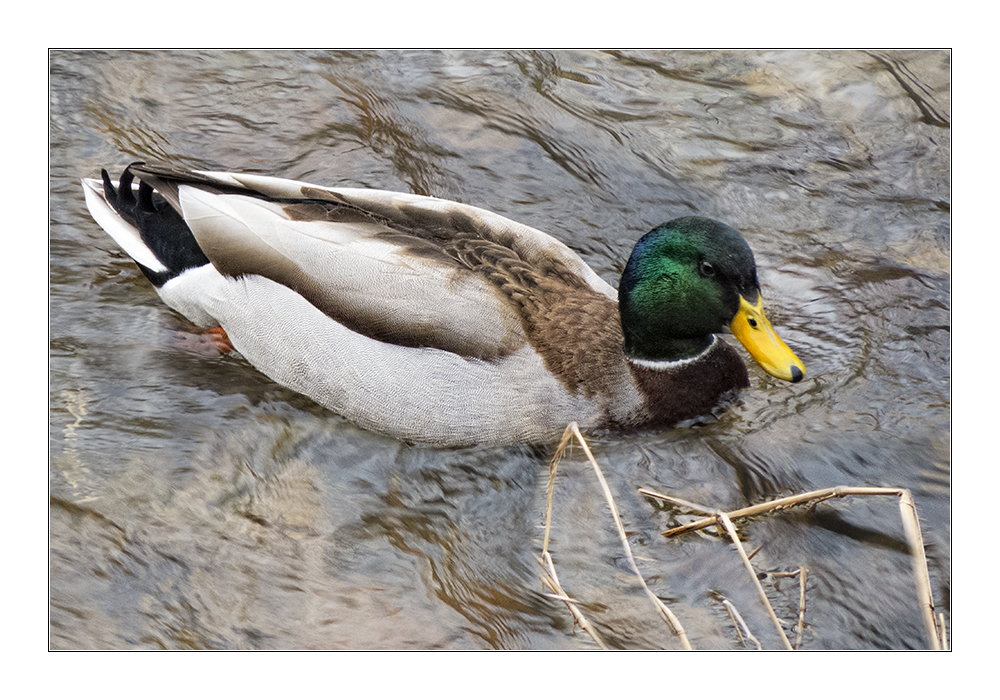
(436,222)
(410,270)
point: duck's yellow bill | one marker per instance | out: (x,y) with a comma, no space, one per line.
(753,330)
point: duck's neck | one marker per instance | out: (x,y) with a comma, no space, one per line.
(661,349)
(683,389)
(678,356)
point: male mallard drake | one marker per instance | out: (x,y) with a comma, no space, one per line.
(437,322)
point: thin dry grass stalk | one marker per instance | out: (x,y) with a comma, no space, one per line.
(552,581)
(741,626)
(728,524)
(573,431)
(802,573)
(911,527)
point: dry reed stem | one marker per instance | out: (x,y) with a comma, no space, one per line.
(803,573)
(730,608)
(573,431)
(552,581)
(911,527)
(741,626)
(728,524)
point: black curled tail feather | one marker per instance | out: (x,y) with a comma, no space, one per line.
(161,227)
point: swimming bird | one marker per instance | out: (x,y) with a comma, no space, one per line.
(438,322)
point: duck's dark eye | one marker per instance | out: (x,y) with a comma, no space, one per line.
(706,269)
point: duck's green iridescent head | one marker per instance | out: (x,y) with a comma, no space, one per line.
(688,279)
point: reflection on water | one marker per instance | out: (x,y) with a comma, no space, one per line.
(197,505)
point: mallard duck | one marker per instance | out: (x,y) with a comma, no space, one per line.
(438,322)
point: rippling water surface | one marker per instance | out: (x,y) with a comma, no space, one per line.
(195,504)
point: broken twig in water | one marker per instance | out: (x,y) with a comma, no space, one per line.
(721,517)
(911,527)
